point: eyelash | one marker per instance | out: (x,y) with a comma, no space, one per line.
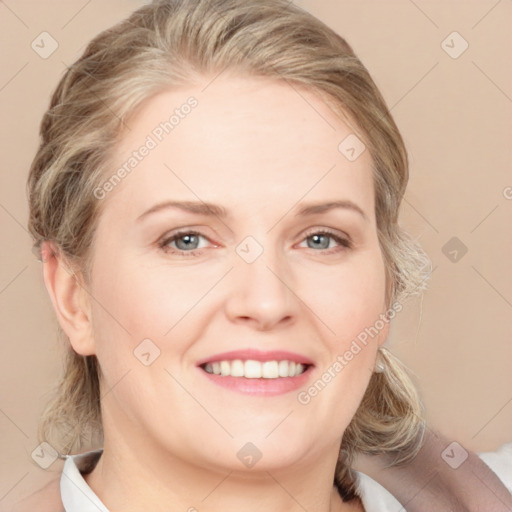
(345,243)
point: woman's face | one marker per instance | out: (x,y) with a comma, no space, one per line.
(258,279)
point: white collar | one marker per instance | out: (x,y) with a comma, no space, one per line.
(76,494)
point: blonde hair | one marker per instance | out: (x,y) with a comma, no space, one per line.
(170,43)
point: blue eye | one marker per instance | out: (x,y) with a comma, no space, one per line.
(186,243)
(322,239)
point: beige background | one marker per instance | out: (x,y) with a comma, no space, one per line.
(455,116)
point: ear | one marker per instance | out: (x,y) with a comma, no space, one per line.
(69,297)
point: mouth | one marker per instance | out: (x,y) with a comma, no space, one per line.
(258,373)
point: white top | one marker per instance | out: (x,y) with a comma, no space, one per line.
(77,496)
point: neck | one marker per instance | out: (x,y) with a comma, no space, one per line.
(134,476)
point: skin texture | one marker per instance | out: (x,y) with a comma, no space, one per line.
(261,150)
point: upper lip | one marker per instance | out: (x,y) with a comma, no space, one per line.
(257,355)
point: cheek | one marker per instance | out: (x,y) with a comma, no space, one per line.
(347,298)
(135,302)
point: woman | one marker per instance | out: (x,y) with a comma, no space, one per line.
(215,202)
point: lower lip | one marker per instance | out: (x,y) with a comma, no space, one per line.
(261,387)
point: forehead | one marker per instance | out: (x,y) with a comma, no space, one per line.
(238,141)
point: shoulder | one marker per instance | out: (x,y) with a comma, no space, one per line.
(46,499)
(374,496)
(500,462)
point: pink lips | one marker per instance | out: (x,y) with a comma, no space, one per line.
(259,387)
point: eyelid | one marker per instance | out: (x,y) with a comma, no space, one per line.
(329,231)
(343,240)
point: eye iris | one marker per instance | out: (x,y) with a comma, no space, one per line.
(318,238)
(190,239)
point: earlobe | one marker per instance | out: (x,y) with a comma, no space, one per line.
(69,298)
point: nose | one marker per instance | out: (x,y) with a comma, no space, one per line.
(261,294)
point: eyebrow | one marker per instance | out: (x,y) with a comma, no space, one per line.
(210,209)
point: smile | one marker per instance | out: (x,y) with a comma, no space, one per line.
(251,371)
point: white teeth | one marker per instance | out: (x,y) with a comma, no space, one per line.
(237,368)
(270,370)
(251,369)
(225,368)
